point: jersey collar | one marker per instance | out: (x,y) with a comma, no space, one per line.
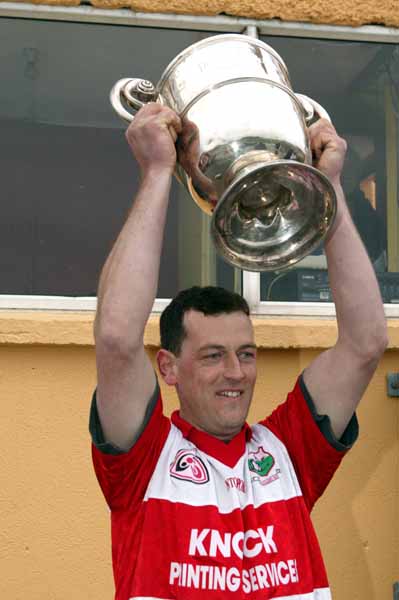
(228,453)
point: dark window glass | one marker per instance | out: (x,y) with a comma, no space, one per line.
(68,177)
(67,174)
(358,84)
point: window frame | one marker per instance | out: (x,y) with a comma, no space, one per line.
(223,24)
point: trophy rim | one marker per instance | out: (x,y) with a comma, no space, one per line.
(218,39)
(233,80)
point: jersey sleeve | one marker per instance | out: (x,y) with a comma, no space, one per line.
(314,451)
(124,476)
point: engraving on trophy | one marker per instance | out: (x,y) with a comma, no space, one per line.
(203,66)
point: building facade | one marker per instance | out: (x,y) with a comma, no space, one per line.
(67,183)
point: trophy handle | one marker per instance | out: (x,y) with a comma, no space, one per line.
(312,108)
(132,92)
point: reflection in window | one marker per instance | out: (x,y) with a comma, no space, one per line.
(68,177)
(358,84)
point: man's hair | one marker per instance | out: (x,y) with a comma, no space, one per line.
(209,300)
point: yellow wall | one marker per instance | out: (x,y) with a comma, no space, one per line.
(339,12)
(54,524)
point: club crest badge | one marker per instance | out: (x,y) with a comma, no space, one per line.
(261,464)
(189,467)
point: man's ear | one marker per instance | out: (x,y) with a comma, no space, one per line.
(167,366)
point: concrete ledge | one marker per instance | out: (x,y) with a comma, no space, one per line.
(69,328)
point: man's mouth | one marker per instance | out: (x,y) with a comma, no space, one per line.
(230,393)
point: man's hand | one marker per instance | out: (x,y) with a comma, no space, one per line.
(152,136)
(328,149)
(190,158)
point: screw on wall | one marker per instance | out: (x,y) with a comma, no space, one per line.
(393,390)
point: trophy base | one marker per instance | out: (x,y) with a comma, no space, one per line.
(272,215)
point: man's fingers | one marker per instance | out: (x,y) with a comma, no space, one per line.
(319,141)
(164,113)
(152,109)
(326,141)
(154,114)
(321,125)
(174,124)
(324,136)
(173,133)
(328,148)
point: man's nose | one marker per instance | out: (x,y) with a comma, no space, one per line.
(233,369)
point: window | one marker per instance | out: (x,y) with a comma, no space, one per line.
(358,84)
(68,177)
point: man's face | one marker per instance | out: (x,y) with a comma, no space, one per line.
(216,372)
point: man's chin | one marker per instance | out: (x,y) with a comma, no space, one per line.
(230,428)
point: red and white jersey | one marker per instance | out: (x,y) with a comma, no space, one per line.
(194,518)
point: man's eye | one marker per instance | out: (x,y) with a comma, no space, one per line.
(249,355)
(213,356)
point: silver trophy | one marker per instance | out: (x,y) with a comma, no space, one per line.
(244,154)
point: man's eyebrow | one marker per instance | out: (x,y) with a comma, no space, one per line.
(211,347)
(221,347)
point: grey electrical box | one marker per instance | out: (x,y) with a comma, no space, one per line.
(393,390)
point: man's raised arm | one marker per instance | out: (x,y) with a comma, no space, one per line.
(129,280)
(338,377)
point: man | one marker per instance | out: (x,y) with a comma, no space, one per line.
(204,506)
